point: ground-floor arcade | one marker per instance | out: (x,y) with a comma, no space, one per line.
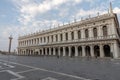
(75,50)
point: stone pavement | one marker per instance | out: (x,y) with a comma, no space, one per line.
(53,68)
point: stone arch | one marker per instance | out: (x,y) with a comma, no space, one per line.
(67,51)
(72,51)
(106,49)
(87,50)
(79,51)
(86,33)
(61,51)
(97,51)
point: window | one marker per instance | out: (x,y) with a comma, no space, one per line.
(56,36)
(52,38)
(72,35)
(105,31)
(48,38)
(86,33)
(66,35)
(95,32)
(79,34)
(61,37)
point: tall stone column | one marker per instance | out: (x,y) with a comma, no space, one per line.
(92,51)
(83,51)
(76,50)
(69,50)
(101,51)
(64,51)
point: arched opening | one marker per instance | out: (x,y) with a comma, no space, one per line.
(36,53)
(86,33)
(56,51)
(47,51)
(96,51)
(61,51)
(79,34)
(51,51)
(72,35)
(40,52)
(31,52)
(67,51)
(79,51)
(106,49)
(72,51)
(105,31)
(87,49)
(43,51)
(95,32)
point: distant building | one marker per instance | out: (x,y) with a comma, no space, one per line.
(95,37)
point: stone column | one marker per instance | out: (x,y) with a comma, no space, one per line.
(91,33)
(49,51)
(64,37)
(42,51)
(83,51)
(76,35)
(82,34)
(59,37)
(101,51)
(92,51)
(116,50)
(45,51)
(112,50)
(69,35)
(69,50)
(76,50)
(63,51)
(54,51)
(59,51)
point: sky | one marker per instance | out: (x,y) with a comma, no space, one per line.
(21,17)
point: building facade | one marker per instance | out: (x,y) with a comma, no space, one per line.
(94,37)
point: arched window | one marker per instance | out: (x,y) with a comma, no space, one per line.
(105,31)
(95,32)
(61,37)
(52,38)
(72,35)
(66,35)
(56,37)
(79,34)
(86,33)
(48,38)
